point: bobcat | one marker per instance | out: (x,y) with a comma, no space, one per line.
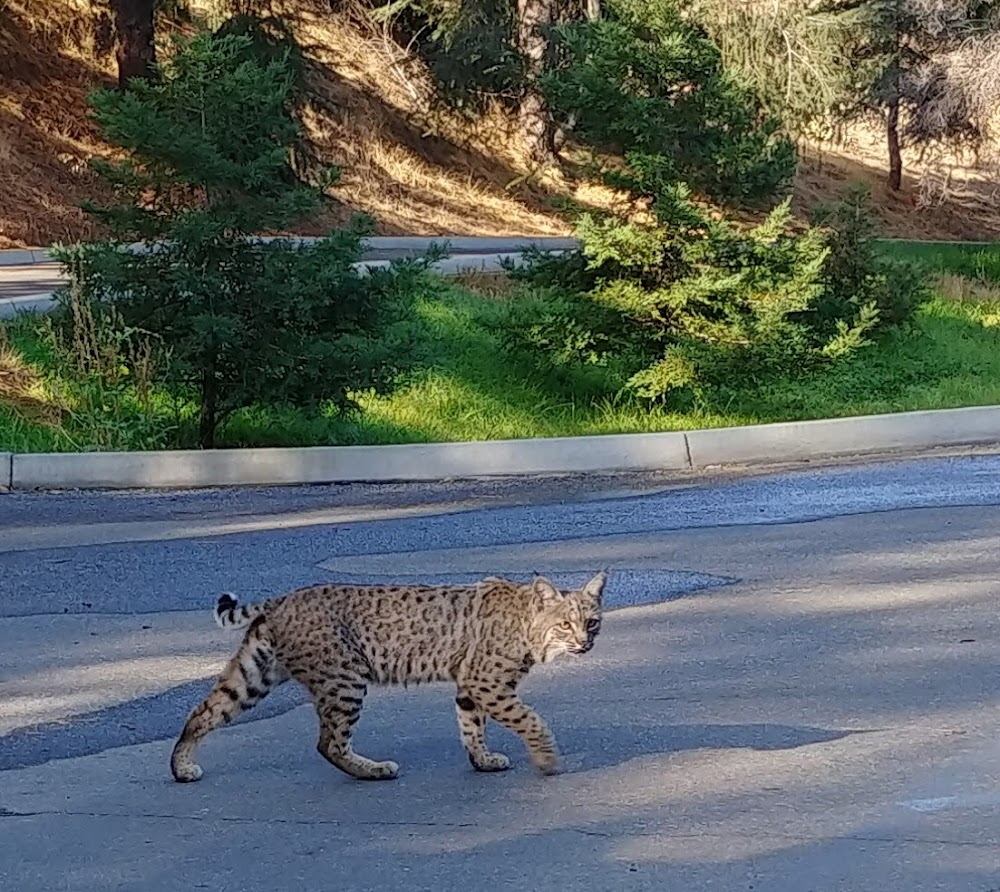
(337,639)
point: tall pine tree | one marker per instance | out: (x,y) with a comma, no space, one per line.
(245,322)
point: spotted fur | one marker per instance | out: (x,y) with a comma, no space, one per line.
(336,640)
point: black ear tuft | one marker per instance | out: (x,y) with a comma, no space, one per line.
(226,602)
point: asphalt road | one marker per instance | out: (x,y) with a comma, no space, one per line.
(796,688)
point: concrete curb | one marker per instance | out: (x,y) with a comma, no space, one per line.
(465,244)
(344,464)
(672,451)
(24,256)
(38,302)
(804,440)
(939,241)
(414,243)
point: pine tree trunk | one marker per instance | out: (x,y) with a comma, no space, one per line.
(136,47)
(895,156)
(537,127)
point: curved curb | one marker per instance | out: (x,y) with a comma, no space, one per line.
(672,451)
(467,244)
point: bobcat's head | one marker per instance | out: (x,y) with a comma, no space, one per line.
(565,622)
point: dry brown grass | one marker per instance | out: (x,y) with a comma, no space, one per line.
(945,195)
(492,286)
(961,288)
(51,55)
(418,169)
(402,162)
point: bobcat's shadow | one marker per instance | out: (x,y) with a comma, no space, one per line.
(595,748)
(587,749)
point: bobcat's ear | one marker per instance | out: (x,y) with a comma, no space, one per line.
(592,593)
(546,591)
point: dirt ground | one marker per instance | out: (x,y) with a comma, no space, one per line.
(417,171)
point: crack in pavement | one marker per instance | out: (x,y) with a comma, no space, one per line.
(228,819)
(904,839)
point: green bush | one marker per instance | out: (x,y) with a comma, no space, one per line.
(857,272)
(648,85)
(243,322)
(684,309)
(574,347)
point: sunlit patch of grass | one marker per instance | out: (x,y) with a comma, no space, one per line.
(977,263)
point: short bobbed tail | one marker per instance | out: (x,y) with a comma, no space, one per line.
(230,614)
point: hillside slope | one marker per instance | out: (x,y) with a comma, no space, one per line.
(417,171)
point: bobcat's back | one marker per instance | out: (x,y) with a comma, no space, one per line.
(399,634)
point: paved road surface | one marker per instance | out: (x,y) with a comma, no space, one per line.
(797,689)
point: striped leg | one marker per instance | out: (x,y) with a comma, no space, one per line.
(247,679)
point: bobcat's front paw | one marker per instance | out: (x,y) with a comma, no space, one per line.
(384,771)
(490,762)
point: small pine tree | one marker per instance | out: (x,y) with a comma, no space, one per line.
(894,44)
(883,40)
(692,304)
(245,321)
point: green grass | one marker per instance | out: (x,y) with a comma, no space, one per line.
(18,434)
(468,387)
(949,357)
(978,262)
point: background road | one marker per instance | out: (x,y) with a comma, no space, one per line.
(28,287)
(796,690)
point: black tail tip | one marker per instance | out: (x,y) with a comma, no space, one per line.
(226,602)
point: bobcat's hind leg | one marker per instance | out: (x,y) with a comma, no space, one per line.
(338,696)
(249,676)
